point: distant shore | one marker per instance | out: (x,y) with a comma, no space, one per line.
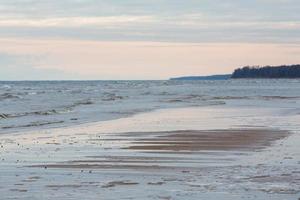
(283,71)
(212,77)
(267,72)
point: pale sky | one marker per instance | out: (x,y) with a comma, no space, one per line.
(149,39)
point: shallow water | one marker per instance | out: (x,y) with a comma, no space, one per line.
(31,105)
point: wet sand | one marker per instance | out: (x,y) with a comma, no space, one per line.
(216,143)
(222,140)
(124,159)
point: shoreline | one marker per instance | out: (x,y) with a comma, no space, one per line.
(153,111)
(96,123)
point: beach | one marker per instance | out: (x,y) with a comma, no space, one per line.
(149,100)
(211,152)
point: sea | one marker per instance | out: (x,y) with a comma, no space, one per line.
(34,105)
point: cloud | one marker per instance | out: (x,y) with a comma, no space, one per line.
(190,21)
(64,22)
(157,20)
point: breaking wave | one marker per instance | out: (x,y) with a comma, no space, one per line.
(64,110)
(5,96)
(33,124)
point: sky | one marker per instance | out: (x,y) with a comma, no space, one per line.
(149,39)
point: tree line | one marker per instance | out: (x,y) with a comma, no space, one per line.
(283,71)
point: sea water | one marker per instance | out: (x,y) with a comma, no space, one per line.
(28,105)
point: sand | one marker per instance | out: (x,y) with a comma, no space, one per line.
(219,144)
(222,140)
(137,158)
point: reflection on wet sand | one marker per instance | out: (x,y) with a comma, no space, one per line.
(211,147)
(222,140)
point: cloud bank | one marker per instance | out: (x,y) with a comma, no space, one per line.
(133,39)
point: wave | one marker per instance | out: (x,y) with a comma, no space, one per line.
(230,97)
(186,98)
(5,96)
(255,97)
(23,114)
(207,98)
(17,95)
(83,102)
(63,110)
(3,116)
(6,87)
(33,124)
(112,97)
(278,97)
